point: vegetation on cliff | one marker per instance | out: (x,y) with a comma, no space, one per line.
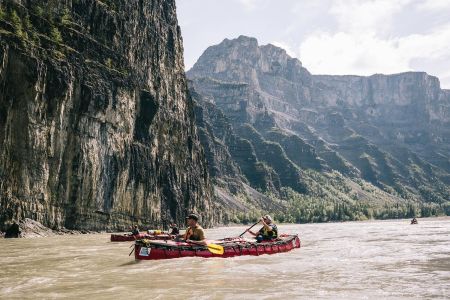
(329,147)
(96,126)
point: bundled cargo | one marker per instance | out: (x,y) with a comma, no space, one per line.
(150,235)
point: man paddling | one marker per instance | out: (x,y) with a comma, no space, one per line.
(269,230)
(194,233)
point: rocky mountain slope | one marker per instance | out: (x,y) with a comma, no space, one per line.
(96,127)
(99,131)
(385,138)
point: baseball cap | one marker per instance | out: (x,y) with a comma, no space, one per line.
(192,216)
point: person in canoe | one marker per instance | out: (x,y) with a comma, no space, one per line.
(174,229)
(269,230)
(135,230)
(414,221)
(194,233)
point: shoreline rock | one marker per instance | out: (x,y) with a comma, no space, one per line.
(28,228)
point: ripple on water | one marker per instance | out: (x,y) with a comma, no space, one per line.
(376,259)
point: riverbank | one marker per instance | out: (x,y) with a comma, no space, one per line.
(28,228)
(33,229)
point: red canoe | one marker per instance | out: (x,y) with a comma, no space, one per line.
(149,250)
(129,237)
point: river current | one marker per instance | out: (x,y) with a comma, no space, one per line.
(353,260)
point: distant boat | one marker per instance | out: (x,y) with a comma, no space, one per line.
(414,221)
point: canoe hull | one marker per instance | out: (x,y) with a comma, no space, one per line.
(154,252)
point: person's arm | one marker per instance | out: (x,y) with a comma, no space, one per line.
(256,233)
(266,226)
(201,241)
(181,235)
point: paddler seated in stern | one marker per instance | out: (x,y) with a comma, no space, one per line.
(269,230)
(194,233)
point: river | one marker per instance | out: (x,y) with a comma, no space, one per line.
(353,260)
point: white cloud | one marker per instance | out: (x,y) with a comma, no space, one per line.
(365,54)
(433,5)
(361,46)
(355,48)
(344,53)
(433,45)
(249,4)
(365,16)
(331,36)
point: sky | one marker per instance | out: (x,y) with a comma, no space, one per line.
(358,37)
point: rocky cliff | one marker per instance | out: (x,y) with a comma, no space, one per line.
(96,127)
(389,131)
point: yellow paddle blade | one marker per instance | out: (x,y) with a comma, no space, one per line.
(215,249)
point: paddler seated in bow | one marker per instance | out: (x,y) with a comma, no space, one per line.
(174,229)
(135,230)
(269,230)
(194,233)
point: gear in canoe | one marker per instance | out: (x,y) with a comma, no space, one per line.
(194,244)
(230,247)
(150,235)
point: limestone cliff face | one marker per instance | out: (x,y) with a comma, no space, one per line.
(407,109)
(391,130)
(96,127)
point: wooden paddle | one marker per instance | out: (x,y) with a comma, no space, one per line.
(213,248)
(248,229)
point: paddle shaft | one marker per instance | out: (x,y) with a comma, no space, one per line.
(248,229)
(213,248)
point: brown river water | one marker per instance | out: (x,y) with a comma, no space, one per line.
(354,260)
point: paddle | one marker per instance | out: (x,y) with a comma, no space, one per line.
(213,248)
(248,229)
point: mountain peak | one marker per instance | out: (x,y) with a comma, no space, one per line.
(246,42)
(244,60)
(246,39)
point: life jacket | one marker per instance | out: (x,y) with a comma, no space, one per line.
(268,235)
